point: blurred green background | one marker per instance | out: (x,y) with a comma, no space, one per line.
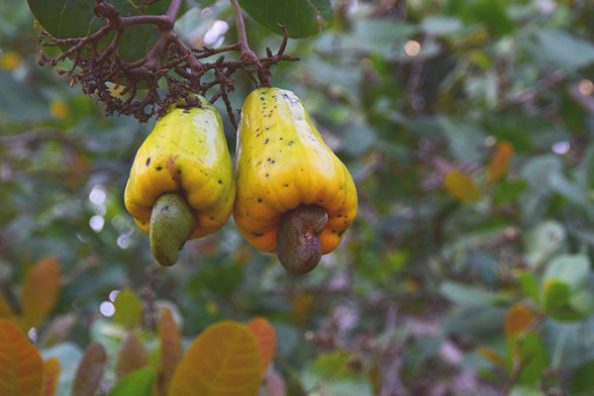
(466,271)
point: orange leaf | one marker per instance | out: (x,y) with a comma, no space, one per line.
(21,368)
(90,370)
(499,161)
(132,355)
(266,336)
(40,291)
(51,374)
(5,309)
(461,186)
(517,319)
(223,360)
(171,352)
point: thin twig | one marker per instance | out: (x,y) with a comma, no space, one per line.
(136,87)
(247,54)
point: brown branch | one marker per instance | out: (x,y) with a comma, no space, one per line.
(241,31)
(163,22)
(136,88)
(247,54)
(173,9)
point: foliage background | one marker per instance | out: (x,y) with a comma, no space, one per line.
(422,296)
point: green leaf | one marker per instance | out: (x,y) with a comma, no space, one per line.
(582,302)
(556,49)
(301,18)
(525,391)
(475,324)
(332,374)
(508,192)
(533,355)
(583,380)
(128,308)
(18,102)
(573,269)
(75,18)
(466,295)
(529,285)
(556,294)
(135,383)
(543,240)
(493,14)
(441,25)
(465,138)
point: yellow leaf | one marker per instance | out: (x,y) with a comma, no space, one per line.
(90,370)
(21,368)
(461,186)
(266,336)
(40,291)
(223,361)
(499,161)
(51,374)
(128,308)
(132,355)
(517,319)
(170,348)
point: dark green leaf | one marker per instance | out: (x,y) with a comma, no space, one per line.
(75,18)
(301,18)
(507,192)
(582,383)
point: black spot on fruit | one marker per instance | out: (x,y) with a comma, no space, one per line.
(159,168)
(148,161)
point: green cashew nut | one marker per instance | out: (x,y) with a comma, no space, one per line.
(172,223)
(298,243)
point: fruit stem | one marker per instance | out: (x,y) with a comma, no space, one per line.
(298,244)
(247,54)
(172,223)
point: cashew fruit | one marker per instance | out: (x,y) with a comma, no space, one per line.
(185,155)
(283,164)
